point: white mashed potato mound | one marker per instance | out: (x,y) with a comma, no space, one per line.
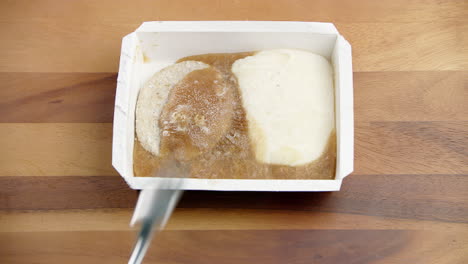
(288,97)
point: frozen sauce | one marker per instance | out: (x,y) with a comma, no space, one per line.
(204,123)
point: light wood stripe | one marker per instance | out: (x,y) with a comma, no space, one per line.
(408,46)
(301,10)
(82,149)
(240,246)
(56,149)
(410,96)
(86,37)
(89,97)
(445,51)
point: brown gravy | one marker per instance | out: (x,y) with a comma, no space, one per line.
(226,152)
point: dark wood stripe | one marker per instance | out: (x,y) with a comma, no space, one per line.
(89,97)
(249,246)
(411,147)
(57,97)
(39,193)
(424,197)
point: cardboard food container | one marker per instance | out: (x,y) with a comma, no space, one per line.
(155,45)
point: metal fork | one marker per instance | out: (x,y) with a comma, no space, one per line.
(155,205)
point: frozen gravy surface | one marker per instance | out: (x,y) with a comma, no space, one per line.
(204,123)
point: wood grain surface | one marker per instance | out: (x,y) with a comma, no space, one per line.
(407,201)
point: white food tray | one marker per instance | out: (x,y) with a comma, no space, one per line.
(155,45)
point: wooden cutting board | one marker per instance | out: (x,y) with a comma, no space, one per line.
(62,202)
